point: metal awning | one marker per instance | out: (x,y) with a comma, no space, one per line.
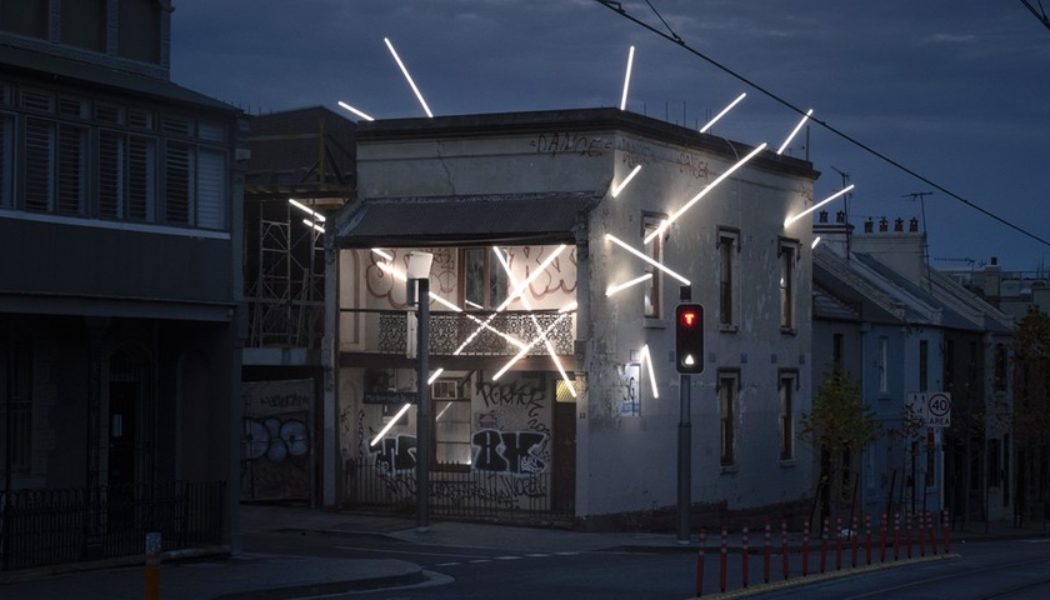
(544,218)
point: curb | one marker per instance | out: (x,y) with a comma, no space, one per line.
(334,587)
(764,588)
(117,562)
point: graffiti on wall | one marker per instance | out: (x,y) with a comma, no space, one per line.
(384,286)
(277,443)
(511,452)
(395,454)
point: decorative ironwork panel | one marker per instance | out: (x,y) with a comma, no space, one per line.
(449,331)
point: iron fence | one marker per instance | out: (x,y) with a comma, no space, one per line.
(455,490)
(52,526)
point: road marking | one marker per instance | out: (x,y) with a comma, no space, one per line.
(538,555)
(483,560)
(508,558)
(566,553)
(451,564)
(445,554)
(1038,541)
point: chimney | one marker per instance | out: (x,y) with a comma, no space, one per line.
(898,224)
(884,225)
(995,260)
(913,225)
(869,226)
(840,217)
(823,217)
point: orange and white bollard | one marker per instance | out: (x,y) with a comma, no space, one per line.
(784,548)
(700,565)
(743,556)
(854,539)
(907,530)
(153,547)
(867,537)
(824,547)
(947,533)
(805,549)
(765,557)
(838,543)
(882,538)
(722,559)
(921,526)
(896,536)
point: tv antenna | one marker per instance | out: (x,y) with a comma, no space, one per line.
(845,206)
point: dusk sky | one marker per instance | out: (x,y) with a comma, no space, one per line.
(956,90)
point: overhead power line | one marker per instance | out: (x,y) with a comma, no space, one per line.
(1039,14)
(620,10)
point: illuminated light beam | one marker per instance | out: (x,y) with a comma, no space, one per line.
(678,213)
(473,304)
(816,241)
(568,307)
(436,298)
(434,377)
(448,405)
(725,110)
(386,428)
(619,287)
(627,79)
(619,188)
(357,112)
(517,291)
(306,209)
(536,323)
(383,254)
(313,225)
(528,347)
(845,190)
(642,256)
(648,360)
(794,132)
(408,77)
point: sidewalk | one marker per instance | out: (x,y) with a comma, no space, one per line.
(275,576)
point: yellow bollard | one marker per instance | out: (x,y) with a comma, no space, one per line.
(153,545)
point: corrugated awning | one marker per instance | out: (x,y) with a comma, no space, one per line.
(545,218)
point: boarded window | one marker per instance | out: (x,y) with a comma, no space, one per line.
(727,392)
(84,24)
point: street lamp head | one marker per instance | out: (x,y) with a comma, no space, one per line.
(419,264)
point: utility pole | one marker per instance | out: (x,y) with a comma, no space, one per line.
(921,197)
(845,206)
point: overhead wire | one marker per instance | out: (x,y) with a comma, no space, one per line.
(620,10)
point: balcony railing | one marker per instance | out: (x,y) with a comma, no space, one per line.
(386,332)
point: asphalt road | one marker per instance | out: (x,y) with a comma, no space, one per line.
(1004,569)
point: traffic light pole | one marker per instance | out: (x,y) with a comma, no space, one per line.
(685,437)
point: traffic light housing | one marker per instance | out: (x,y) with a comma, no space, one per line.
(689,338)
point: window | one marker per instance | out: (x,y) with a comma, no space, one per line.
(884,359)
(139,30)
(7,136)
(651,223)
(72,170)
(485,282)
(127,176)
(84,24)
(836,351)
(25,17)
(39,143)
(728,246)
(55,167)
(728,386)
(451,424)
(787,416)
(924,365)
(16,411)
(1000,368)
(788,251)
(211,189)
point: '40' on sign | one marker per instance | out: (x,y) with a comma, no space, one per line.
(939,409)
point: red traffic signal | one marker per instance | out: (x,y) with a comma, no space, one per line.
(689,338)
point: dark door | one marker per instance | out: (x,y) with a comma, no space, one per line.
(563,499)
(123,419)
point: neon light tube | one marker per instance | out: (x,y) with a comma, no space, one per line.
(642,256)
(816,241)
(535,323)
(648,360)
(473,304)
(723,113)
(528,347)
(386,428)
(517,291)
(794,131)
(613,289)
(627,79)
(845,190)
(385,255)
(568,307)
(306,209)
(619,188)
(448,405)
(678,213)
(434,377)
(357,112)
(313,225)
(408,77)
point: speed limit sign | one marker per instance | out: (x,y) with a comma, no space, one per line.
(939,409)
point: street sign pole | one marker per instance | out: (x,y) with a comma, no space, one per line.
(685,436)
(689,342)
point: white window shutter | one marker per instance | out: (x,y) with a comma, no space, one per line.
(211,189)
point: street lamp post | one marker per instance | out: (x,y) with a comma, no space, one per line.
(419,275)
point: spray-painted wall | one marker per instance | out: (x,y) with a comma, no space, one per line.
(625,459)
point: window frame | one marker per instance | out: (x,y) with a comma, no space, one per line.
(787,386)
(652,290)
(728,323)
(728,386)
(438,402)
(883,364)
(788,256)
(489,263)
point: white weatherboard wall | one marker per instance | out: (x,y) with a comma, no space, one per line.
(627,463)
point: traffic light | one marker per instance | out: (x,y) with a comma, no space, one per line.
(689,338)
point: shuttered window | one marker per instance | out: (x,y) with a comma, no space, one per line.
(72,169)
(211,189)
(178,182)
(38,164)
(112,173)
(126,176)
(142,178)
(7,128)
